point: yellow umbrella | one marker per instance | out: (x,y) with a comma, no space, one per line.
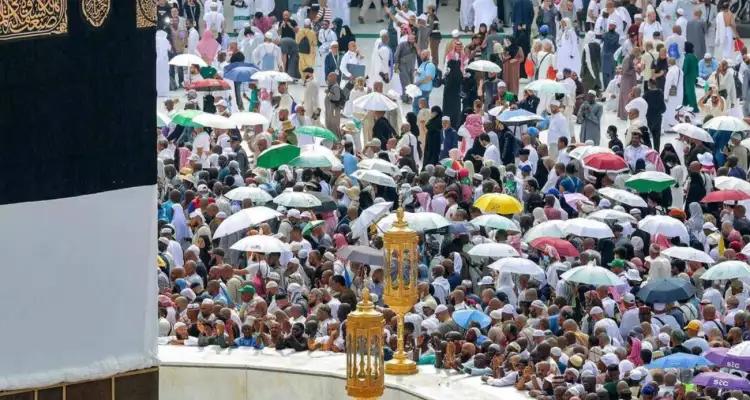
(498,203)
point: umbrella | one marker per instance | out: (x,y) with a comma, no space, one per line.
(664,225)
(162,120)
(375,177)
(312,225)
(605,162)
(746,250)
(185,118)
(378,164)
(498,203)
(721,196)
(517,265)
(612,215)
(327,202)
(494,111)
(240,74)
(368,216)
(494,221)
(679,360)
(316,131)
(623,196)
(730,182)
(214,121)
(244,219)
(518,117)
(237,64)
(493,250)
(687,254)
(726,123)
(419,222)
(274,76)
(552,228)
(587,228)
(413,90)
(563,247)
(649,181)
(249,118)
(737,357)
(666,290)
(375,102)
(464,318)
(722,380)
(315,157)
(573,198)
(484,66)
(592,275)
(297,200)
(208,85)
(693,132)
(277,155)
(727,270)
(260,244)
(362,254)
(186,60)
(256,194)
(581,152)
(547,86)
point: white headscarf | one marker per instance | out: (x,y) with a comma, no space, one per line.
(181,229)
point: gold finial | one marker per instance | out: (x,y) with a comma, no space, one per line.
(400,221)
(365,304)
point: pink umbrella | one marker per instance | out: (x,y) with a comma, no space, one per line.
(208,47)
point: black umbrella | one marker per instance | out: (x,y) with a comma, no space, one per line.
(362,254)
(327,202)
(666,290)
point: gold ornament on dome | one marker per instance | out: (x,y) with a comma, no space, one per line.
(21,19)
(145,13)
(95,12)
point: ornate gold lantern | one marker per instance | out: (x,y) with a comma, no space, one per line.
(400,289)
(364,351)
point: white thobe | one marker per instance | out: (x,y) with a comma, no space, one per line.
(348,59)
(558,127)
(340,9)
(568,52)
(667,11)
(192,41)
(492,153)
(267,49)
(724,41)
(648,29)
(466,16)
(214,21)
(382,61)
(682,23)
(485,11)
(264,6)
(674,77)
(162,63)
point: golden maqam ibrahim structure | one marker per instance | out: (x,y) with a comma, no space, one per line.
(364,351)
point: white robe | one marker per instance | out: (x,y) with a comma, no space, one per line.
(682,23)
(724,41)
(340,9)
(466,16)
(667,11)
(381,61)
(568,53)
(648,29)
(674,77)
(267,49)
(264,6)
(325,38)
(162,64)
(485,11)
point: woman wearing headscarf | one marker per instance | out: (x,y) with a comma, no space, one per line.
(539,216)
(695,223)
(182,233)
(690,71)
(432,134)
(591,63)
(505,285)
(512,61)
(454,63)
(568,51)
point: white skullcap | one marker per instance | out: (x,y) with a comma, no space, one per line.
(383,32)
(441,308)
(455,33)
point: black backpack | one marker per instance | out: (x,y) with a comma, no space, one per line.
(304,46)
(437,80)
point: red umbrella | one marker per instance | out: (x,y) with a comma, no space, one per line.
(563,247)
(725,195)
(208,85)
(605,162)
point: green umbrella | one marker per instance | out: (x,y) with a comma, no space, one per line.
(311,225)
(315,160)
(277,155)
(185,118)
(650,181)
(316,131)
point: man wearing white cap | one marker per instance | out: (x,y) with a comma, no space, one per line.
(382,59)
(558,127)
(661,318)
(268,55)
(681,21)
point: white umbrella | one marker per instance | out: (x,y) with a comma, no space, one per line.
(693,132)
(580,152)
(186,60)
(274,76)
(726,123)
(518,265)
(244,219)
(297,200)
(587,228)
(687,254)
(746,250)
(495,111)
(730,182)
(374,176)
(494,221)
(592,275)
(378,164)
(375,102)
(214,121)
(254,193)
(664,225)
(419,222)
(260,244)
(612,215)
(547,86)
(727,270)
(484,66)
(368,216)
(623,196)
(413,90)
(493,250)
(248,118)
(552,228)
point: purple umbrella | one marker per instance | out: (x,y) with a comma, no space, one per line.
(735,358)
(722,380)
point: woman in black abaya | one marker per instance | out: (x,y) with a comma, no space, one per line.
(452,91)
(432,145)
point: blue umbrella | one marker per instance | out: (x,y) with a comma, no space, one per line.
(666,290)
(679,360)
(240,74)
(465,317)
(234,65)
